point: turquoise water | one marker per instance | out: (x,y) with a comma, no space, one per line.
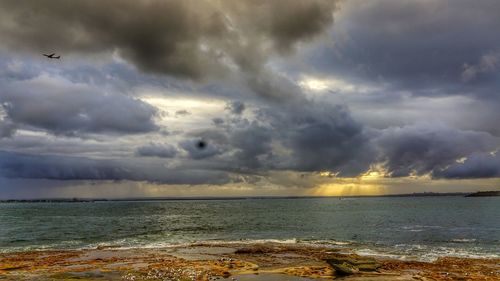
(405,227)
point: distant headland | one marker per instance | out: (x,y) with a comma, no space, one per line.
(483,194)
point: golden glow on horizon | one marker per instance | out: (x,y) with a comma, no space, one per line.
(371,175)
(328,174)
(369,183)
(349,186)
(334,187)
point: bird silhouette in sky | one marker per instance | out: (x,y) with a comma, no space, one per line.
(52,56)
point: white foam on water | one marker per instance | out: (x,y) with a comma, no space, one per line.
(423,252)
(463,240)
(399,251)
(378,254)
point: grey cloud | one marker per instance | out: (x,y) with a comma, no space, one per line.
(62,107)
(176,37)
(324,137)
(15,165)
(250,144)
(200,148)
(415,46)
(218,121)
(311,137)
(478,165)
(235,107)
(157,150)
(489,63)
(274,87)
(7,129)
(424,149)
(406,48)
(101,146)
(182,112)
(288,21)
(411,61)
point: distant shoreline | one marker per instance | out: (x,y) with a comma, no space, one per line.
(208,198)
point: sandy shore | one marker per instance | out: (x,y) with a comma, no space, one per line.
(269,261)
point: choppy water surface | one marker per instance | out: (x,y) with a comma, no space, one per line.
(422,227)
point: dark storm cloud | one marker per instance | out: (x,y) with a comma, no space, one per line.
(424,149)
(235,107)
(406,48)
(251,143)
(157,150)
(62,107)
(478,165)
(421,47)
(322,137)
(15,165)
(311,136)
(186,38)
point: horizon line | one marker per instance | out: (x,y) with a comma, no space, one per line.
(173,198)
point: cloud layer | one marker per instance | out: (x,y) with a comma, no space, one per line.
(180,38)
(218,92)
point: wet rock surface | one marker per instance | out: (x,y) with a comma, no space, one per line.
(204,262)
(349,265)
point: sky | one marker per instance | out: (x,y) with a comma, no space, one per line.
(250,97)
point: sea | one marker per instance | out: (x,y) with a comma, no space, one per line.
(411,228)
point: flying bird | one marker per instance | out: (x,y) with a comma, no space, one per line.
(52,56)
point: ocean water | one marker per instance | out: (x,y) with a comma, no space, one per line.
(401,227)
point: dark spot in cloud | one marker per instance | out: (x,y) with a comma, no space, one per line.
(200,149)
(201,144)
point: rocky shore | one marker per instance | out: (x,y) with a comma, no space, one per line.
(243,262)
